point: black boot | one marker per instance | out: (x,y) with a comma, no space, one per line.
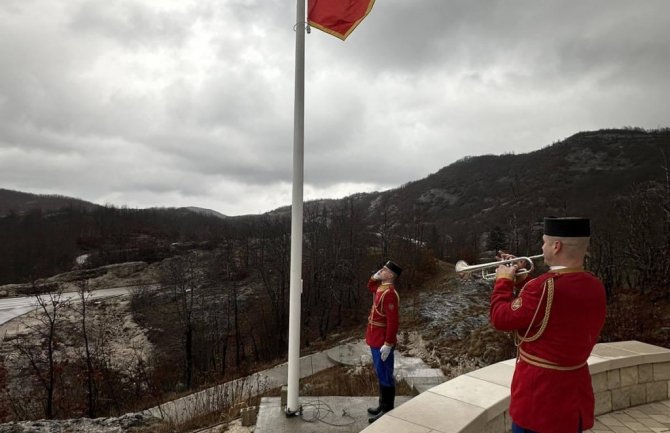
(376,410)
(386,403)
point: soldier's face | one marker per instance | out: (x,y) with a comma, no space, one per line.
(386,274)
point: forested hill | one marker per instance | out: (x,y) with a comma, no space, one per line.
(582,175)
(588,174)
(579,175)
(472,205)
(22,202)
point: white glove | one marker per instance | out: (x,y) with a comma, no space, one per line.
(385,351)
(376,276)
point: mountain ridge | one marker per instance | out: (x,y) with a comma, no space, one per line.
(585,174)
(568,176)
(21,202)
(575,160)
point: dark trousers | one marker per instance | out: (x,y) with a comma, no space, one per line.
(384,369)
(517,429)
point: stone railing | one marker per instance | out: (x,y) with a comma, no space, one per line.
(624,374)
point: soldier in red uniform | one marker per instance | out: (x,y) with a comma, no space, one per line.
(381,332)
(556,319)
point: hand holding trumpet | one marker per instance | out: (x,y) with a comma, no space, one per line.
(510,268)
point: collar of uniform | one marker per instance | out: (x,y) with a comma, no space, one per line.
(384,286)
(566,270)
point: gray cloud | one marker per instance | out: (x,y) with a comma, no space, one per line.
(175,103)
(131,23)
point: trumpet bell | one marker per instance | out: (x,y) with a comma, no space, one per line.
(461,266)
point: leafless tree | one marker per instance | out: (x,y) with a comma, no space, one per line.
(272,264)
(83,294)
(646,244)
(181,276)
(41,358)
(5,402)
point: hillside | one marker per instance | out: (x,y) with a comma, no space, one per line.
(453,211)
(22,202)
(457,208)
(574,176)
(46,235)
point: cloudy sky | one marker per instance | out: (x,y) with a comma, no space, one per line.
(190,102)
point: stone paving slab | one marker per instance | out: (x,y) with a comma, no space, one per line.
(652,418)
(353,353)
(320,415)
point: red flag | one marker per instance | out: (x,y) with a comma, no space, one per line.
(337,17)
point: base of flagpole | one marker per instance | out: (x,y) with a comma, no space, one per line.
(290,413)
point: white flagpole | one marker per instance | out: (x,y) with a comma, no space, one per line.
(292,407)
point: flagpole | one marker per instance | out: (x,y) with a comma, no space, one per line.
(295,289)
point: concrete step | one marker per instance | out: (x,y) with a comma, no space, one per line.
(408,373)
(350,354)
(422,379)
(421,384)
(421,388)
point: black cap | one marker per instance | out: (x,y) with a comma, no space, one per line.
(393,267)
(569,227)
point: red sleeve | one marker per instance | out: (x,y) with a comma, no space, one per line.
(373,284)
(509,313)
(391,304)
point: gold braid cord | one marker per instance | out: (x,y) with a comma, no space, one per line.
(518,340)
(379,306)
(548,287)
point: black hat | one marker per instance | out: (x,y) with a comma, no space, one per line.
(569,227)
(393,267)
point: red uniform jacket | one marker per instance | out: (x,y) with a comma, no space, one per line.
(551,387)
(383,320)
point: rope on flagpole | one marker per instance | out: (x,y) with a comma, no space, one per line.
(308,28)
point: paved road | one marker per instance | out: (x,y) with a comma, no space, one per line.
(14,307)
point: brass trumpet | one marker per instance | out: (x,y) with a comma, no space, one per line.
(462,266)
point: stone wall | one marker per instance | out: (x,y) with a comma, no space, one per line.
(624,374)
(621,388)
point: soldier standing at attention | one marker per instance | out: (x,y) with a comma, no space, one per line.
(381,333)
(556,318)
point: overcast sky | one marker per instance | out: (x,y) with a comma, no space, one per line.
(190,102)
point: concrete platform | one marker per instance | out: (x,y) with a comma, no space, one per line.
(319,415)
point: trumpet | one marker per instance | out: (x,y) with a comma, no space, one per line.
(463,267)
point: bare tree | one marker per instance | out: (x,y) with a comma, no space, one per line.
(226,269)
(42,357)
(273,264)
(84,293)
(181,276)
(665,205)
(388,220)
(4,400)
